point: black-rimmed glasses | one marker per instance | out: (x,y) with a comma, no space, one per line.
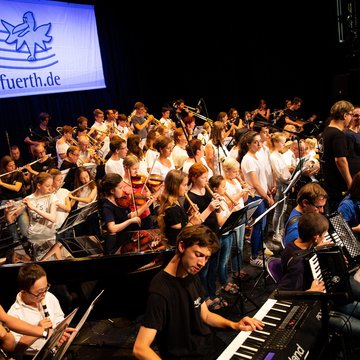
(40,293)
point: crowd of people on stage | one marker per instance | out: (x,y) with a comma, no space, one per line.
(178,172)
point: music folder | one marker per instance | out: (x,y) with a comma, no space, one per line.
(48,350)
(64,347)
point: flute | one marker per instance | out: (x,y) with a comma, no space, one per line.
(193,205)
(80,187)
(20,202)
(213,196)
(231,199)
(245,186)
(23,167)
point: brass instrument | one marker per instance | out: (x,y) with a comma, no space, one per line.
(99,159)
(154,120)
(196,113)
(71,140)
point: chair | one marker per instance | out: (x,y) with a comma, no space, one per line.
(274,269)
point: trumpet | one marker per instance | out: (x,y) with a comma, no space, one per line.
(154,120)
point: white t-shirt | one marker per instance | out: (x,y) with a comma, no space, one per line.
(33,315)
(41,228)
(61,215)
(251,164)
(115,167)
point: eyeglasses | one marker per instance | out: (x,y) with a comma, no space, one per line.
(40,293)
(318,206)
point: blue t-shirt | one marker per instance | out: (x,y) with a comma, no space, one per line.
(348,209)
(291,231)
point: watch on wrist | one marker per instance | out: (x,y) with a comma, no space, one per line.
(45,333)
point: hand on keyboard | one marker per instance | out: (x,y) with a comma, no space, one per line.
(249,324)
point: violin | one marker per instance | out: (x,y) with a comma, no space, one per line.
(138,180)
(144,240)
(154,181)
(127,201)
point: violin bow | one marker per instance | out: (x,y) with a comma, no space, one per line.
(134,203)
(146,180)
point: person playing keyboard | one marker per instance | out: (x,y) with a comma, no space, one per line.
(176,313)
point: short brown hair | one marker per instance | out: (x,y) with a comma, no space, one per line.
(200,235)
(312,224)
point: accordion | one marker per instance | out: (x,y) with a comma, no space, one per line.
(342,235)
(327,263)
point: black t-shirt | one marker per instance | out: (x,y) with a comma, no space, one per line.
(12,179)
(44,166)
(117,214)
(334,146)
(174,215)
(203,201)
(174,310)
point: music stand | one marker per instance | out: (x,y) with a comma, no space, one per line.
(295,177)
(236,219)
(79,246)
(78,216)
(48,350)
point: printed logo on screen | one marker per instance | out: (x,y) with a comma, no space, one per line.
(28,42)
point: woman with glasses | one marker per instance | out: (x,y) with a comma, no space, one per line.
(35,305)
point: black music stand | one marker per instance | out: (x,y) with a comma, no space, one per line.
(236,219)
(293,180)
(80,246)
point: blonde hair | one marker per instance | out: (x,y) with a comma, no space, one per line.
(274,138)
(311,143)
(230,163)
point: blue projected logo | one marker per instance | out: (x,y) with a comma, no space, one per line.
(28,39)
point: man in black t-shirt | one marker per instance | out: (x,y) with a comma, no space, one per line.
(177,314)
(335,168)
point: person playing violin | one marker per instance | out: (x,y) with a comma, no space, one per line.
(134,184)
(116,214)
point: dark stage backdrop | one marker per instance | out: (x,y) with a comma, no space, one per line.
(233,57)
